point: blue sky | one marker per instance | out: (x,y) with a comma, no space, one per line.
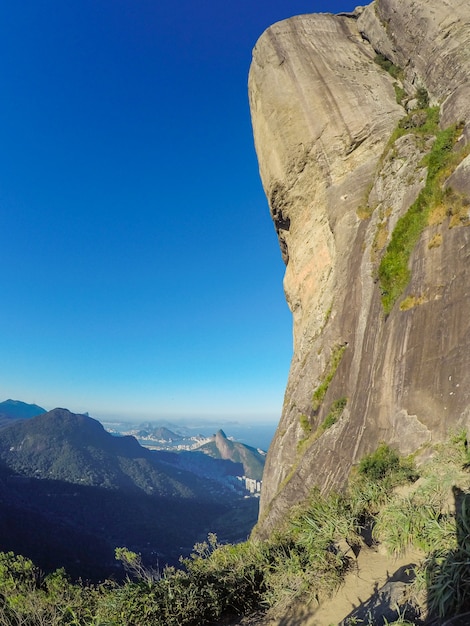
(141,275)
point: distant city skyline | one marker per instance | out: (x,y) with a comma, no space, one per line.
(142,276)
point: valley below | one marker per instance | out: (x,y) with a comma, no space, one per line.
(71,492)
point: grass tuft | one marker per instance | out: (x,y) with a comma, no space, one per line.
(320,391)
(305,424)
(335,412)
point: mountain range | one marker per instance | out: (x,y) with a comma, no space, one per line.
(71,492)
(247,460)
(61,445)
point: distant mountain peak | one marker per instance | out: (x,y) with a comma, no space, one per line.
(221,447)
(15,409)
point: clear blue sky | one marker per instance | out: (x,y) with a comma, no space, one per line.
(141,275)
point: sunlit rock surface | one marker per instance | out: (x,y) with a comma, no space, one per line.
(323,112)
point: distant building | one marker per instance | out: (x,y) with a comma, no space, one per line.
(251,485)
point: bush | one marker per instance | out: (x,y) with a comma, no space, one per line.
(422,97)
(388,66)
(381,463)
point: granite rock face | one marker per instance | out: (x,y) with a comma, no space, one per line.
(323,112)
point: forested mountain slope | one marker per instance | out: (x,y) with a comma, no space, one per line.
(72,492)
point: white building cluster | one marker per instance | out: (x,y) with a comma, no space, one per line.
(251,485)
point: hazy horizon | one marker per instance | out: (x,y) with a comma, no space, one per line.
(155,416)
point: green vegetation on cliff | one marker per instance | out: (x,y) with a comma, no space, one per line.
(388,66)
(320,392)
(394,273)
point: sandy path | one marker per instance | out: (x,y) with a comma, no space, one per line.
(376,583)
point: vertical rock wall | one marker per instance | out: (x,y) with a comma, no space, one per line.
(323,112)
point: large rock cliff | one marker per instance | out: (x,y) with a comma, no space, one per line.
(324,110)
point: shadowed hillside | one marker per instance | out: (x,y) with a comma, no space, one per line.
(14,410)
(71,493)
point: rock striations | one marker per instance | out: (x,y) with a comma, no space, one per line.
(337,182)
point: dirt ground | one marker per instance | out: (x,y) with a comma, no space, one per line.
(373,587)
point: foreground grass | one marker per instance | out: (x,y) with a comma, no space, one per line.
(306,559)
(435,518)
